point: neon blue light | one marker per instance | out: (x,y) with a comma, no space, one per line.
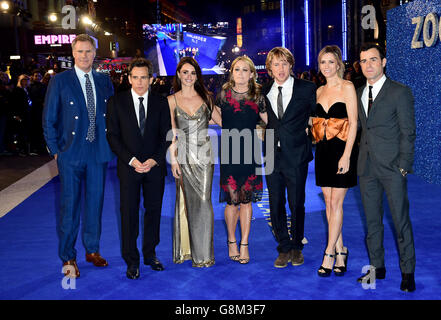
(344,30)
(307,45)
(282,22)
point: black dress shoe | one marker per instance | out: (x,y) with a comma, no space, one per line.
(132,273)
(380,273)
(154,263)
(407,282)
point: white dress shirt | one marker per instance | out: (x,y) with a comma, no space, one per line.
(136,103)
(376,87)
(287,88)
(286,94)
(80,74)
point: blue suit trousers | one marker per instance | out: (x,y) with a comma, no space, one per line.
(75,176)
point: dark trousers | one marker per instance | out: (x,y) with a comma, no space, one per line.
(91,176)
(294,181)
(372,188)
(152,187)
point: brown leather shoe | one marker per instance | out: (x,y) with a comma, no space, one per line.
(96,259)
(297,257)
(70,269)
(282,260)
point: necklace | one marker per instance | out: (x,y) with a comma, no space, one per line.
(240,92)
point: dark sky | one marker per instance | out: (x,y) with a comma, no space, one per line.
(201,11)
(211,11)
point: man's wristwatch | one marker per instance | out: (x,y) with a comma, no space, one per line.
(403,172)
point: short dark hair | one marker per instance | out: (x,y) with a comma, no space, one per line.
(372,45)
(141,63)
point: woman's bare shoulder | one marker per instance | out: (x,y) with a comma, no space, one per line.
(319,90)
(348,85)
(172,100)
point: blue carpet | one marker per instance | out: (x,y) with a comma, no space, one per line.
(30,269)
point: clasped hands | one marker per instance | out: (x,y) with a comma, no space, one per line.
(145,166)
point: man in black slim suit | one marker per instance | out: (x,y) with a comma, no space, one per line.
(290,103)
(386,112)
(138,122)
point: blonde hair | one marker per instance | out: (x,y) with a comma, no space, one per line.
(335,50)
(279,52)
(253,86)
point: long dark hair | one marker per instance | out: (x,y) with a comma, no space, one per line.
(199,85)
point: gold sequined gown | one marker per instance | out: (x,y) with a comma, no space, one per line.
(194,217)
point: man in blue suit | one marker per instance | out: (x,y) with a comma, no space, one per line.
(75,131)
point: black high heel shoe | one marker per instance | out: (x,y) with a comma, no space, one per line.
(340,271)
(234,258)
(326,272)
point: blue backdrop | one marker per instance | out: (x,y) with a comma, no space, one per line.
(421,70)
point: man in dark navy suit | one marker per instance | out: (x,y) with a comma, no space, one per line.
(290,103)
(75,132)
(138,123)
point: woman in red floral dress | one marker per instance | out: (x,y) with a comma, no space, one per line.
(242,108)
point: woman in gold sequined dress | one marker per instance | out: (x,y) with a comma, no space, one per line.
(192,166)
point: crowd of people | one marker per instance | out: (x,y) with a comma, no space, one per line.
(21,107)
(186,52)
(84,134)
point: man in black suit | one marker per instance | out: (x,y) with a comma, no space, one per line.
(138,122)
(387,116)
(290,103)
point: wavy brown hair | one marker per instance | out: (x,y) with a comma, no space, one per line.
(253,87)
(199,85)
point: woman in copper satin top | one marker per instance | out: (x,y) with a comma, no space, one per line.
(334,129)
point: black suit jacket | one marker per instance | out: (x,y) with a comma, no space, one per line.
(125,137)
(296,146)
(388,134)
